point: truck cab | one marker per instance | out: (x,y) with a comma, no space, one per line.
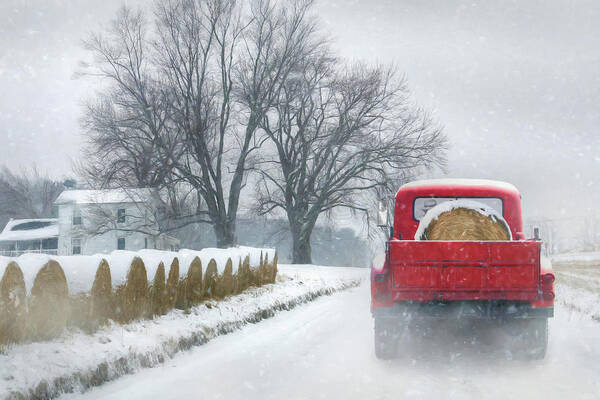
(507,282)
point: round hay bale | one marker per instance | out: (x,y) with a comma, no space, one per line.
(13,306)
(158,298)
(462,220)
(236,278)
(193,283)
(264,270)
(49,302)
(210,279)
(254,276)
(244,274)
(101,308)
(181,302)
(172,283)
(79,316)
(224,285)
(274,269)
(132,297)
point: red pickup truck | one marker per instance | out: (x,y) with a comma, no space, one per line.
(506,282)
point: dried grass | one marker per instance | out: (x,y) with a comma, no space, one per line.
(465,224)
(49,303)
(13,305)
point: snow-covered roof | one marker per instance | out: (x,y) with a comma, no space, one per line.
(460,182)
(29,229)
(104,196)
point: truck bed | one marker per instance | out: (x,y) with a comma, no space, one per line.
(464,270)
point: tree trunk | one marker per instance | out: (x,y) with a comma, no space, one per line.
(225,233)
(301,246)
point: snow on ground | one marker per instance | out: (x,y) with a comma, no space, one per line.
(324,350)
(77,360)
(81,270)
(577,284)
(591,257)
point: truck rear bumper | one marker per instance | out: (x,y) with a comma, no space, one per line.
(408,310)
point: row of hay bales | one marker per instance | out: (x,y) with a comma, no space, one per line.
(49,309)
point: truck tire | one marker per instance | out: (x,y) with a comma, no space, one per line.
(386,338)
(537,339)
(529,338)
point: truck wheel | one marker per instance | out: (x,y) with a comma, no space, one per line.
(537,335)
(529,338)
(386,338)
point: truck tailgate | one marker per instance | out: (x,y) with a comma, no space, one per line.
(464,270)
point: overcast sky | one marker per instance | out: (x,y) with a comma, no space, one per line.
(516,84)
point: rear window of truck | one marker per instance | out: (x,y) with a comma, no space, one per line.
(423,204)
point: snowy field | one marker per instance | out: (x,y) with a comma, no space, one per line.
(578,282)
(77,361)
(577,259)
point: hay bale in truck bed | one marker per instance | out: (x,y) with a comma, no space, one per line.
(13,306)
(462,220)
(49,303)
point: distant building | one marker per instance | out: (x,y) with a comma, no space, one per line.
(100,221)
(29,236)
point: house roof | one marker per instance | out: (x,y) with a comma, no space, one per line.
(104,196)
(29,229)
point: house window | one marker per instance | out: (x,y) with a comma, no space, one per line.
(121,244)
(76,216)
(145,242)
(121,216)
(75,246)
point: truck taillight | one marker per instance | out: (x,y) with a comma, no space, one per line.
(547,280)
(548,295)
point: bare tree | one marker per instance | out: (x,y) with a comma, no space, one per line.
(184,100)
(129,140)
(338,134)
(26,194)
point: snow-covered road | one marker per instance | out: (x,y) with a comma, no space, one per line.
(325,350)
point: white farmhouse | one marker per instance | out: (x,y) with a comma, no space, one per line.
(29,236)
(100,221)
